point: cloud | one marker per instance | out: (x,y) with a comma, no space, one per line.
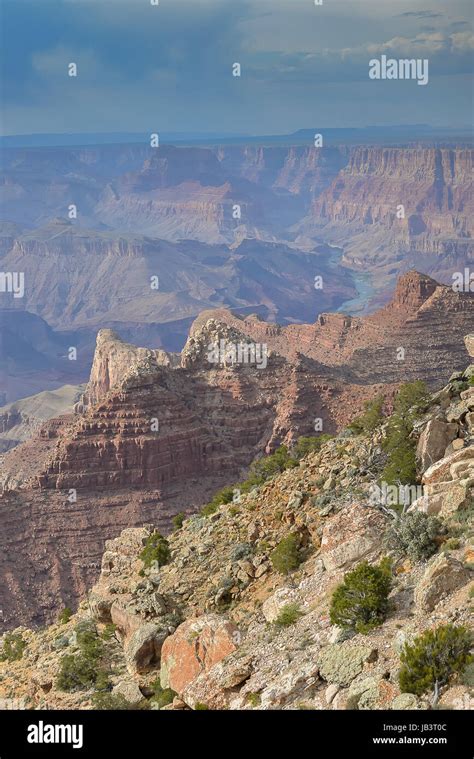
(420,14)
(170,66)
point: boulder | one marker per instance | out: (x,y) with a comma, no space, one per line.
(196,645)
(371,693)
(129,690)
(341,663)
(443,575)
(215,687)
(441,470)
(405,702)
(434,440)
(144,647)
(275,603)
(351,535)
(469,342)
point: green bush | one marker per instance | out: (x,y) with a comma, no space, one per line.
(414,535)
(178,520)
(360,603)
(254,699)
(156,550)
(109,631)
(222,496)
(371,418)
(13,647)
(268,466)
(201,707)
(162,696)
(433,658)
(105,701)
(286,556)
(83,669)
(65,616)
(305,445)
(289,614)
(467,677)
(412,399)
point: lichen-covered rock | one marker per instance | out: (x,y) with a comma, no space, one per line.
(443,575)
(405,702)
(129,690)
(353,534)
(341,663)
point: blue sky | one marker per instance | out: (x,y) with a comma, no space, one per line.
(169,68)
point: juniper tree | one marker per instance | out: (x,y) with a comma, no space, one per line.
(433,657)
(360,603)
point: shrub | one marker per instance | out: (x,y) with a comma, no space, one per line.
(371,418)
(288,615)
(156,550)
(360,603)
(77,672)
(452,544)
(65,616)
(109,631)
(105,701)
(178,520)
(12,648)
(411,400)
(433,658)
(241,551)
(414,535)
(162,696)
(269,466)
(222,496)
(201,707)
(286,556)
(83,670)
(254,699)
(467,677)
(305,445)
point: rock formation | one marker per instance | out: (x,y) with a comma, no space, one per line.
(157,434)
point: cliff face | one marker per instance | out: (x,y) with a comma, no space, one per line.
(156,434)
(434,229)
(190,193)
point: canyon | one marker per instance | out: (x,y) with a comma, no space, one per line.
(245,227)
(156,433)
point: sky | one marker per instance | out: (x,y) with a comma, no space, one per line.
(146,68)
